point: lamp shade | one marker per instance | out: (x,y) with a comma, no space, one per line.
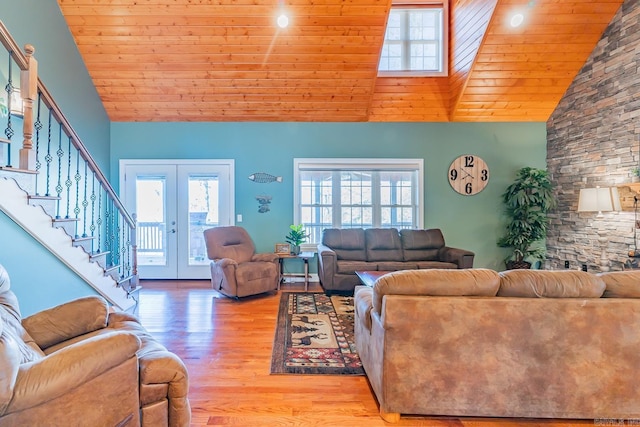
(599,199)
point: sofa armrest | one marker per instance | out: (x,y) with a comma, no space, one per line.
(265,257)
(363,303)
(327,265)
(163,376)
(56,374)
(66,321)
(461,257)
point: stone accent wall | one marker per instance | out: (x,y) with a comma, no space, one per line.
(592,140)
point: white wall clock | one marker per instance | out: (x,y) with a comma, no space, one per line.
(468,174)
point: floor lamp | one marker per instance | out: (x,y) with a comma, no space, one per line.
(600,199)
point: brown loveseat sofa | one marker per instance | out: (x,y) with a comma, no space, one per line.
(342,252)
(521,343)
(77,364)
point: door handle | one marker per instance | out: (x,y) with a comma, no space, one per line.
(173,230)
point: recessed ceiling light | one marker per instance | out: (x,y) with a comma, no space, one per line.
(283,21)
(516,20)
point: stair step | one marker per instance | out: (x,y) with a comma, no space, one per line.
(12,169)
(48,203)
(39,197)
(130,285)
(67,224)
(85,243)
(113,272)
(100,258)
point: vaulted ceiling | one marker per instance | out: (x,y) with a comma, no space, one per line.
(226,60)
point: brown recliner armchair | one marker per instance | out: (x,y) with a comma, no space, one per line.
(236,269)
(79,364)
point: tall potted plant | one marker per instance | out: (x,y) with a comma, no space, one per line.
(527,201)
(297,235)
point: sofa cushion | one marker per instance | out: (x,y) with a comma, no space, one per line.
(621,284)
(350,267)
(420,245)
(383,244)
(550,284)
(435,264)
(396,265)
(348,244)
(436,282)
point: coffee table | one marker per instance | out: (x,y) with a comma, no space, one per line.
(368,278)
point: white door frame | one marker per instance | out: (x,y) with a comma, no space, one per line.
(228,163)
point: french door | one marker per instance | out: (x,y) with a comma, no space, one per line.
(174,201)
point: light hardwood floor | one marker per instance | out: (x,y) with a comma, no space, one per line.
(226,345)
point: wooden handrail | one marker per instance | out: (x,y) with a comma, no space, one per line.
(12,47)
(75,139)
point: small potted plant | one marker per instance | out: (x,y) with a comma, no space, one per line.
(527,201)
(297,235)
(635,174)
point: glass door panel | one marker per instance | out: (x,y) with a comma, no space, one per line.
(151,230)
(206,188)
(150,190)
(203,214)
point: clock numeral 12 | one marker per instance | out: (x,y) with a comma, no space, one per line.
(468,161)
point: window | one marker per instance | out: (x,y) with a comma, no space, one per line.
(357,193)
(415,41)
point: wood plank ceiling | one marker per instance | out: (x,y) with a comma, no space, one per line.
(226,60)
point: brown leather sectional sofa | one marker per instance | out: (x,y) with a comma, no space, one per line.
(521,343)
(342,252)
(80,364)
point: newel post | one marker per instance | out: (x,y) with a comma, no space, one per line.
(29,93)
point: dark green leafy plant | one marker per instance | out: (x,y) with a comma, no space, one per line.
(297,235)
(527,201)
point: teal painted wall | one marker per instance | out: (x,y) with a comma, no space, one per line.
(38,278)
(470,222)
(61,69)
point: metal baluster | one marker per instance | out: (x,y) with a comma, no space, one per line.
(99,220)
(9,132)
(92,227)
(77,177)
(38,126)
(85,202)
(128,246)
(107,223)
(60,154)
(68,183)
(123,246)
(113,235)
(48,158)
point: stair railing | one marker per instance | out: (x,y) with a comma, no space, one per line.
(84,202)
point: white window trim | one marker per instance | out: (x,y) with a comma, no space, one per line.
(445,40)
(354,164)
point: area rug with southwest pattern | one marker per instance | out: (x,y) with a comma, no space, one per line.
(314,335)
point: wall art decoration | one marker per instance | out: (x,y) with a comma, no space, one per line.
(264,202)
(264,178)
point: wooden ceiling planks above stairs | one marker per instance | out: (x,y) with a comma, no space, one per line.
(225,60)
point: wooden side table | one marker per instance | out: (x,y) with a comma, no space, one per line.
(304,256)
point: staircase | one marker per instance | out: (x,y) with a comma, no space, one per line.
(57,193)
(35,215)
